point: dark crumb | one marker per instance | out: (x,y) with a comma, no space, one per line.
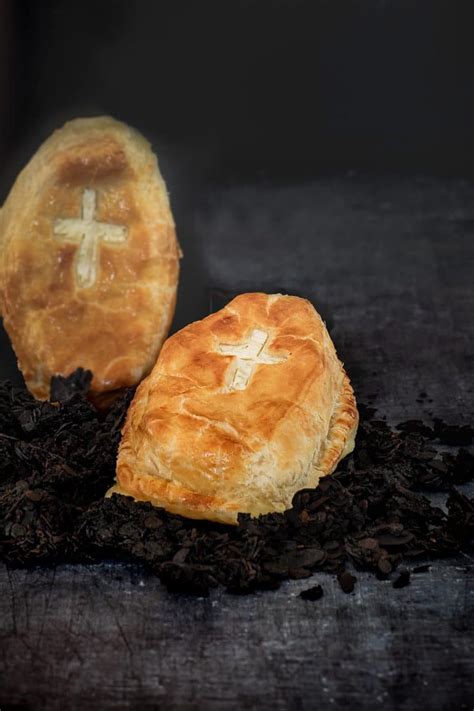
(57,460)
(421,569)
(366,413)
(346,581)
(403,579)
(384,567)
(314,593)
(453,435)
(78,383)
(416,426)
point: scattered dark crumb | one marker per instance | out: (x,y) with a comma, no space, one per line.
(403,579)
(314,593)
(453,435)
(63,389)
(366,413)
(421,569)
(346,581)
(57,460)
(418,426)
(384,567)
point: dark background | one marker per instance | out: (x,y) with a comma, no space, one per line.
(255,92)
(282,89)
(315,147)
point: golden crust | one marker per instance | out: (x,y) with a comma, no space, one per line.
(108,310)
(199,446)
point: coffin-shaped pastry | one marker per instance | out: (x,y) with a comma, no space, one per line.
(241,410)
(88,257)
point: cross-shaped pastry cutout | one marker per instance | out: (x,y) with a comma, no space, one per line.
(88,233)
(248,356)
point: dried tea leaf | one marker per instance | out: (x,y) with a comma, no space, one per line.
(314,593)
(58,459)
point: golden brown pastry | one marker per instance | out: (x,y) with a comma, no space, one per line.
(89,260)
(241,410)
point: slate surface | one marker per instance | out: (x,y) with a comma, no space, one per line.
(389,264)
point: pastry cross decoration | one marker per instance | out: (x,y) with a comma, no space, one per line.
(88,233)
(247,357)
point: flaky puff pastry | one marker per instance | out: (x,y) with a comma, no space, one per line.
(241,410)
(89,259)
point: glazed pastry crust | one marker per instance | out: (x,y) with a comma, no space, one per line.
(114,319)
(197,447)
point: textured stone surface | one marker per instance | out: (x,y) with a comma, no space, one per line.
(106,637)
(389,264)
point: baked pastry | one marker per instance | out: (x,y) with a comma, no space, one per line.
(241,410)
(89,260)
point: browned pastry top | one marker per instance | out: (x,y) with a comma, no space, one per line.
(241,410)
(89,260)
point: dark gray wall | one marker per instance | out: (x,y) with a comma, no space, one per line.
(286,88)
